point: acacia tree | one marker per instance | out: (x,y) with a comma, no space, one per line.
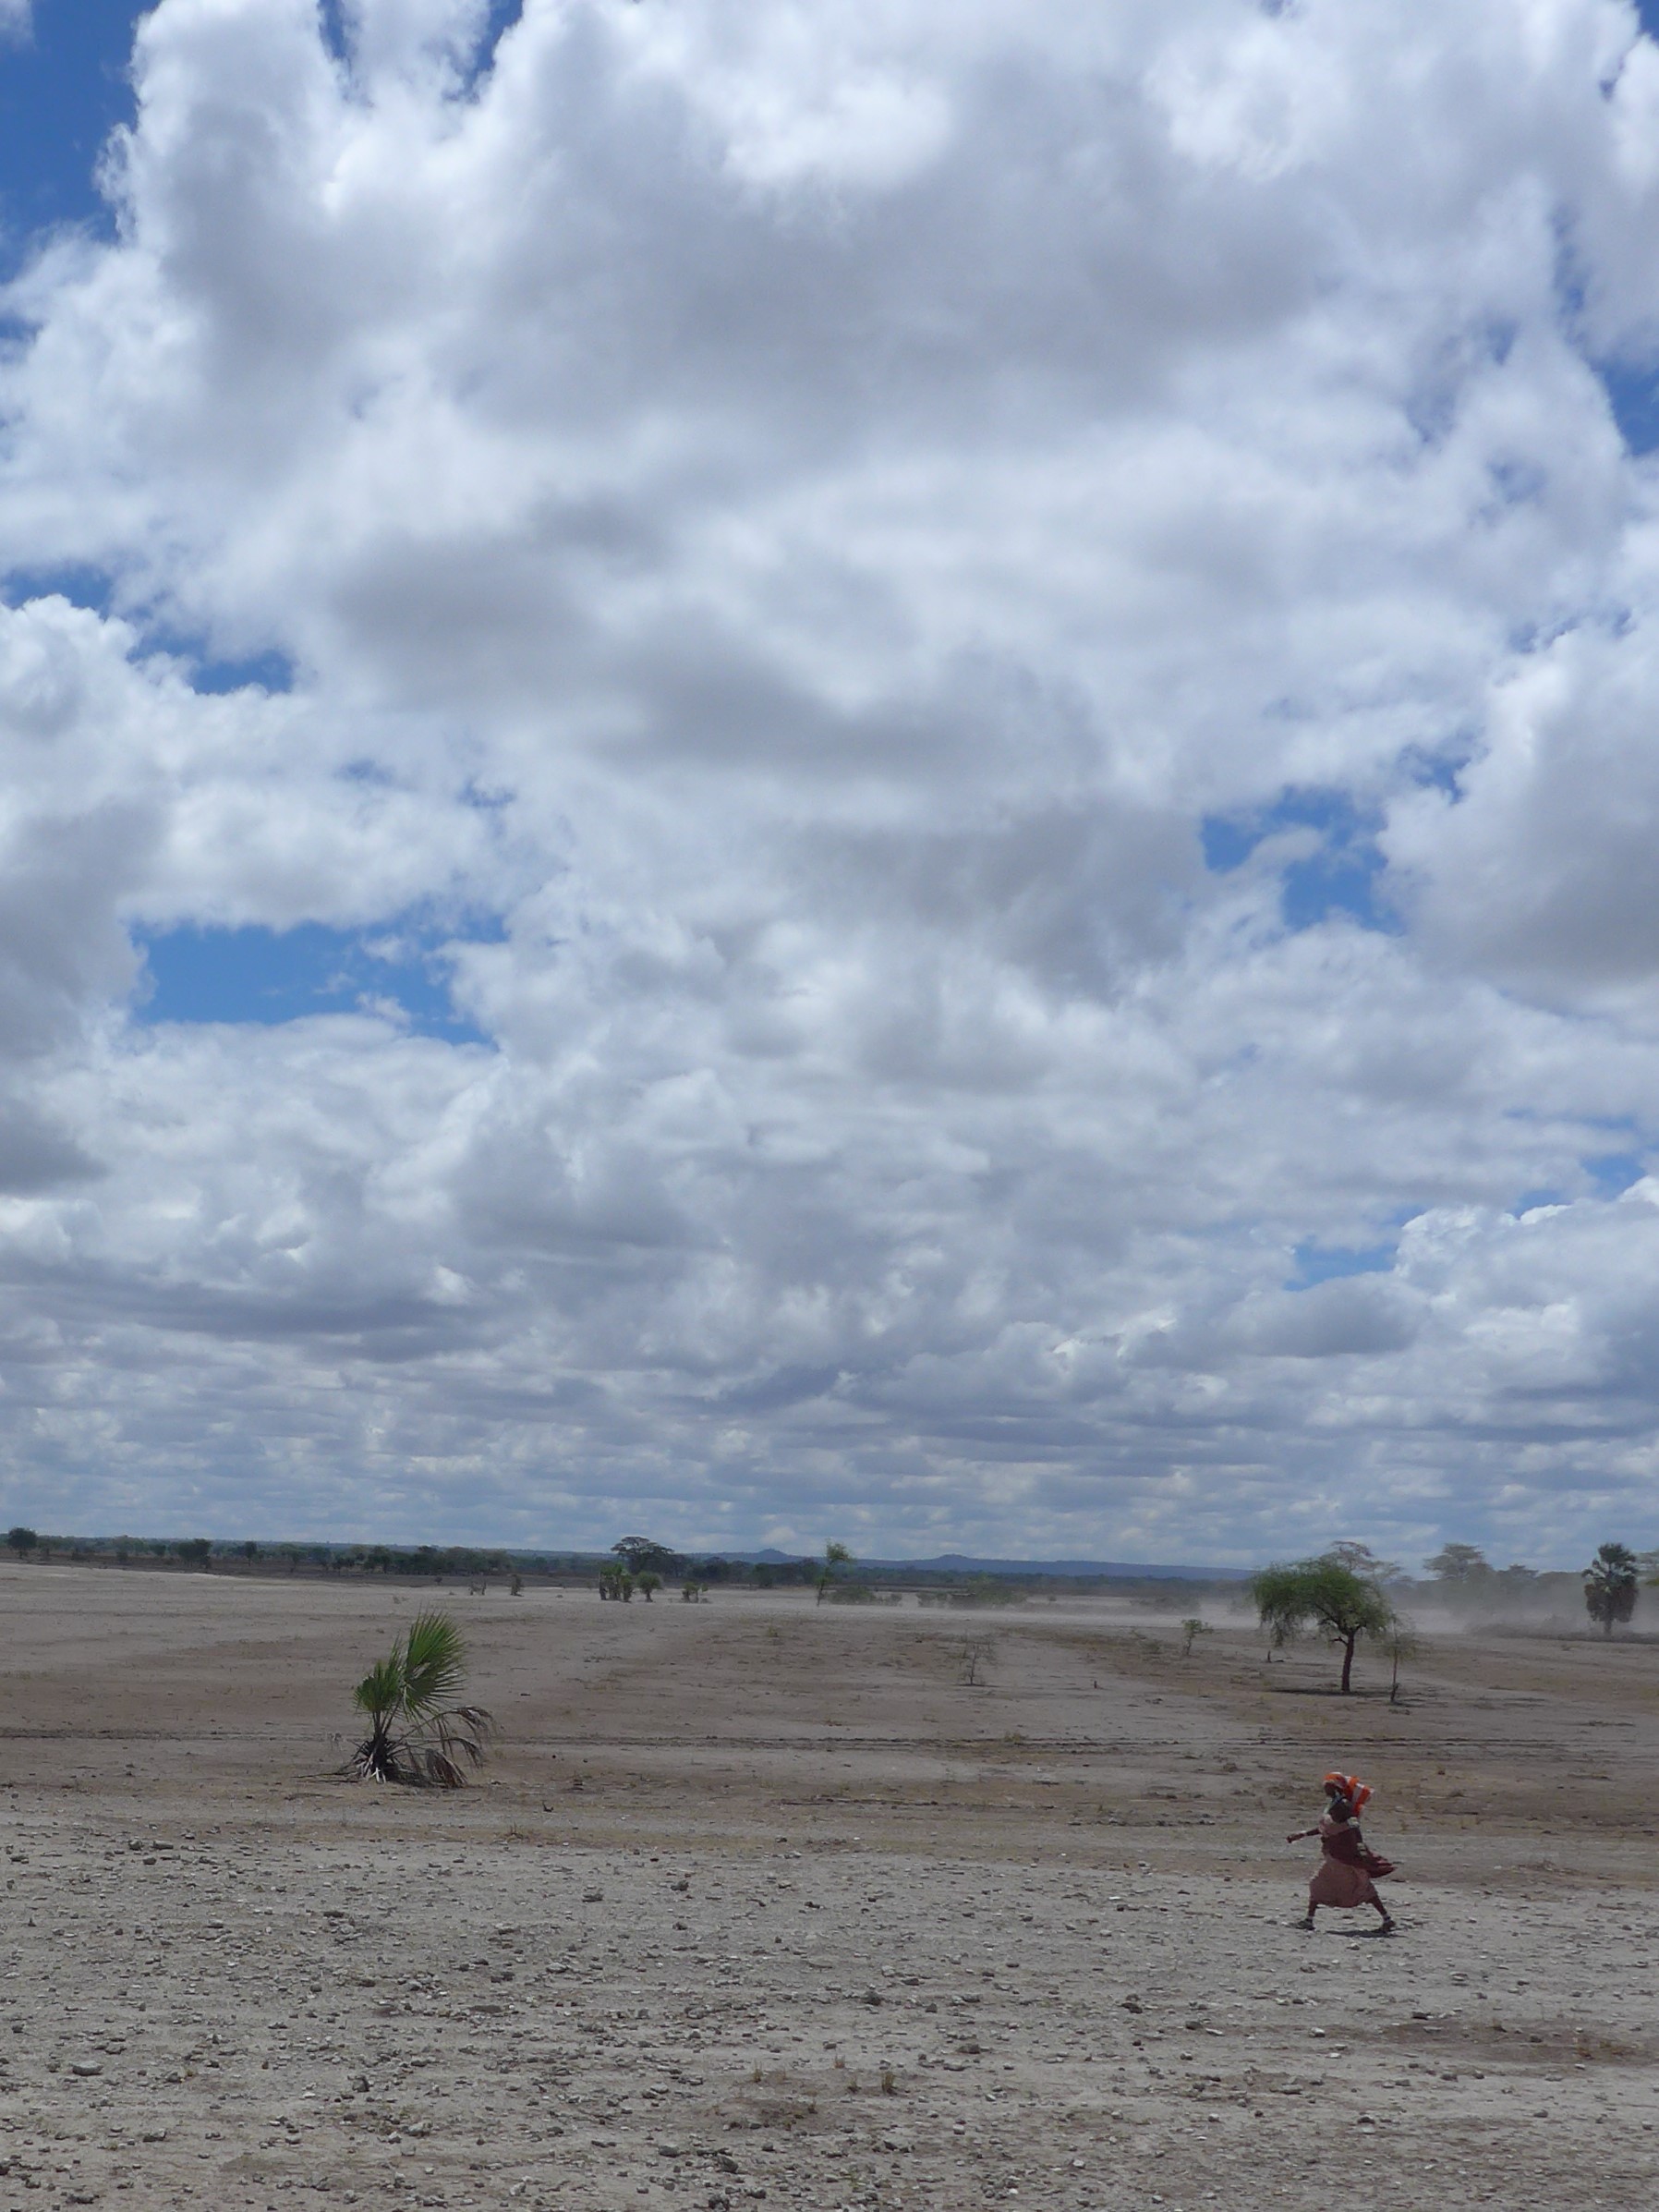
(1400,1642)
(638,1555)
(1322,1593)
(835,1555)
(22,1541)
(1610,1586)
(1464,1565)
(1362,1560)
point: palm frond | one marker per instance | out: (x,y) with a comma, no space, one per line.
(438,1768)
(434,1664)
(465,1729)
(382,1689)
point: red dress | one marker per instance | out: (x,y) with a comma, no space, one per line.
(1344,1874)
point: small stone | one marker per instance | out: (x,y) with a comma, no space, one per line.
(86,2068)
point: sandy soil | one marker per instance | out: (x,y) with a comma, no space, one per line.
(763,1904)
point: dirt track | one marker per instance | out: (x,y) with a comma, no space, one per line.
(762,1902)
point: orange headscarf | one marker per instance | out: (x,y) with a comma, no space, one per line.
(1349,1785)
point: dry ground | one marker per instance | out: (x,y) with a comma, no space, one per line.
(760,1902)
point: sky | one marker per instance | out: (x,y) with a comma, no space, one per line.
(887,772)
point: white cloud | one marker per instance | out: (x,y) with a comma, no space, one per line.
(803,513)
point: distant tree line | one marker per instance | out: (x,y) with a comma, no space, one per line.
(1609,1583)
(1349,1597)
(1346,1594)
(438,1561)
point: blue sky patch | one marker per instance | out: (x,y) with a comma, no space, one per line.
(504,14)
(1228,844)
(84,585)
(78,581)
(1612,1172)
(336,36)
(63,89)
(266,977)
(1530,1199)
(1341,878)
(1439,771)
(264,671)
(1633,394)
(1324,1263)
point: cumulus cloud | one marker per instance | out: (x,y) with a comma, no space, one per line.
(1002,656)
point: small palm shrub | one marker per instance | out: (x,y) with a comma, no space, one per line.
(420,1731)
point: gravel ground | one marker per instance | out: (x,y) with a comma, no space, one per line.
(764,1904)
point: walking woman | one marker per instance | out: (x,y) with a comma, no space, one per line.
(1349,1869)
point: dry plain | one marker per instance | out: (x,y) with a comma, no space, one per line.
(760,1902)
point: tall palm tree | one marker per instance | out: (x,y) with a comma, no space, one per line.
(1610,1586)
(419,1730)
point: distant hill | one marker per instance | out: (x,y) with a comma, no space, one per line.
(962,1562)
(957,1563)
